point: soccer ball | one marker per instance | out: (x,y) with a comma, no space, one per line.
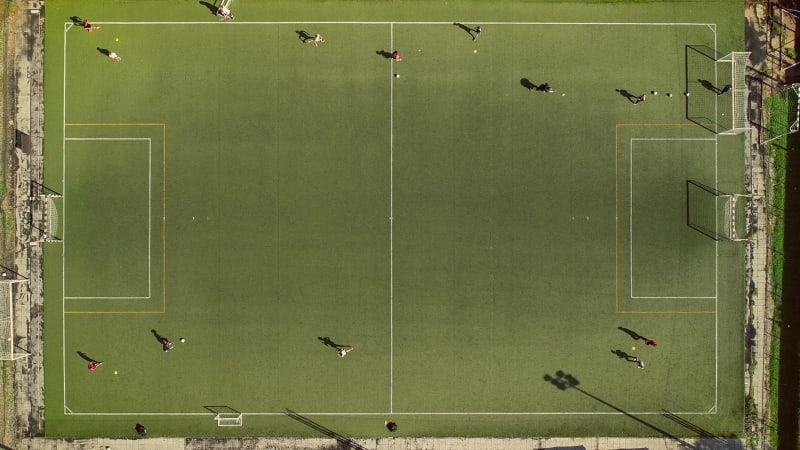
(397,75)
(183,340)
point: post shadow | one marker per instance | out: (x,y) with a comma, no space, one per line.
(568,385)
(385,54)
(303,35)
(87,357)
(7,270)
(326,431)
(634,335)
(210,7)
(625,93)
(701,433)
(466,29)
(327,341)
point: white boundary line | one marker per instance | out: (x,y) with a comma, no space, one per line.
(149,294)
(69,25)
(391,222)
(654,24)
(471,413)
(630,219)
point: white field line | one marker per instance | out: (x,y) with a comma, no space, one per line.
(382,413)
(391,223)
(149,294)
(64,214)
(716,243)
(235,23)
(68,25)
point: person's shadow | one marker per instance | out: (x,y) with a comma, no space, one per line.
(631,98)
(384,53)
(708,85)
(327,341)
(634,335)
(104,51)
(303,35)
(625,356)
(161,339)
(87,357)
(76,20)
(210,7)
(466,29)
(528,84)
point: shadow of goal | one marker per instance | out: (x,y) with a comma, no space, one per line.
(719,215)
(225,416)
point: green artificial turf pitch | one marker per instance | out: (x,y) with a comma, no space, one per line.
(474,241)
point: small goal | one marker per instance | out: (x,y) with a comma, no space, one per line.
(45,204)
(8,293)
(228,419)
(225,415)
(719,215)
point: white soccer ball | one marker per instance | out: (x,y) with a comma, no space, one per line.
(397,75)
(687,94)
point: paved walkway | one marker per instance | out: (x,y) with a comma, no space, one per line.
(383,444)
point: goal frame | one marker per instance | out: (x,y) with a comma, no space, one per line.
(7,313)
(739,93)
(228,419)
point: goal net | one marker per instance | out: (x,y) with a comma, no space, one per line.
(781,114)
(44,211)
(739,95)
(716,214)
(229,419)
(225,416)
(8,292)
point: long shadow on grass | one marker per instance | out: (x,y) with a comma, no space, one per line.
(210,7)
(87,357)
(625,93)
(326,431)
(564,381)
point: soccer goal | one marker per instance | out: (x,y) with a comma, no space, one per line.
(226,416)
(719,215)
(44,211)
(739,95)
(230,419)
(781,114)
(9,292)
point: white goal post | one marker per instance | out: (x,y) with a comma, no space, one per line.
(228,419)
(739,94)
(8,349)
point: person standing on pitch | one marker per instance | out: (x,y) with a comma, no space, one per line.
(316,40)
(640,99)
(94,365)
(342,352)
(477,34)
(397,56)
(727,88)
(651,343)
